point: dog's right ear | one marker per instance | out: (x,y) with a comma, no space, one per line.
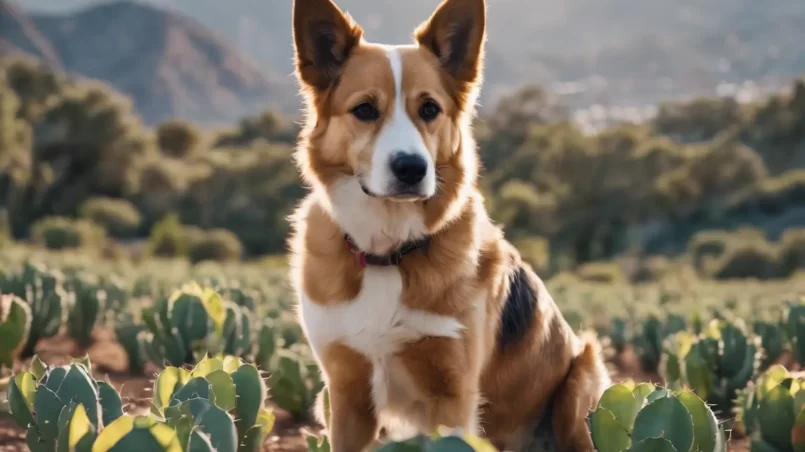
(323,38)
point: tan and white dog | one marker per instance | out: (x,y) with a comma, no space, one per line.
(417,309)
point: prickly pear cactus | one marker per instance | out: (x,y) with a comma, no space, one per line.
(191,323)
(441,441)
(84,306)
(648,343)
(771,411)
(715,365)
(47,400)
(43,291)
(772,341)
(15,325)
(794,318)
(139,433)
(645,417)
(220,402)
(295,381)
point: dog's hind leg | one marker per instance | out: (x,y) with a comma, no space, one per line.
(587,379)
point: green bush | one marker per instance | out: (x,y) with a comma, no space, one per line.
(651,269)
(792,251)
(178,139)
(168,238)
(117,216)
(600,272)
(535,251)
(58,233)
(748,259)
(216,245)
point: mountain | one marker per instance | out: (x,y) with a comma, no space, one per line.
(616,52)
(171,65)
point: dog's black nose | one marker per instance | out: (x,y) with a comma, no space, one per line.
(409,169)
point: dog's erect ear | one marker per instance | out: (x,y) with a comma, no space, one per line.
(455,33)
(323,37)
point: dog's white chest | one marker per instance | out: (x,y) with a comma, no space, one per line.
(375,324)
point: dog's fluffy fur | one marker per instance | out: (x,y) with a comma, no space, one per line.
(463,334)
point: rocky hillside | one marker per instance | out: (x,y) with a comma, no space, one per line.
(170,65)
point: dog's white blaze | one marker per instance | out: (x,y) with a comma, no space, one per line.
(375,324)
(399,134)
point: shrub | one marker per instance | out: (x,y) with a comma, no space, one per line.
(747,259)
(58,233)
(217,245)
(535,251)
(600,272)
(651,269)
(707,244)
(168,238)
(117,216)
(792,252)
(178,139)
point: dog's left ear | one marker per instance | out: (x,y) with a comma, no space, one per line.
(323,39)
(455,33)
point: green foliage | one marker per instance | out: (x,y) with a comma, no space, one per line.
(715,364)
(15,326)
(58,233)
(118,217)
(295,381)
(218,245)
(647,417)
(770,411)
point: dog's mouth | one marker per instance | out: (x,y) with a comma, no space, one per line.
(401,194)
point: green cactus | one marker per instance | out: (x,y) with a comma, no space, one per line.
(295,381)
(43,291)
(237,332)
(46,400)
(138,433)
(443,441)
(220,401)
(794,319)
(15,326)
(191,323)
(647,417)
(648,344)
(715,365)
(127,337)
(617,335)
(772,340)
(84,307)
(772,412)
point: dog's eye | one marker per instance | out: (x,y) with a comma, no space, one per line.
(365,112)
(429,111)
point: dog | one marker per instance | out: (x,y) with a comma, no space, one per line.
(418,311)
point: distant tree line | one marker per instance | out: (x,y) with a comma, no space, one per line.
(78,167)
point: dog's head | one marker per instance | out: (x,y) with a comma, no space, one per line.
(391,117)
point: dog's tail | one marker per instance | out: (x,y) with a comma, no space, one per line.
(587,379)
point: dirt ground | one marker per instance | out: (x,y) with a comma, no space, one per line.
(109,359)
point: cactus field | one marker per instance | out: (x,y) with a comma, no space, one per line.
(95,356)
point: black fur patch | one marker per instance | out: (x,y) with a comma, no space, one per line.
(519,310)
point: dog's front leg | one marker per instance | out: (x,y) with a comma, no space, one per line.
(353,422)
(442,371)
